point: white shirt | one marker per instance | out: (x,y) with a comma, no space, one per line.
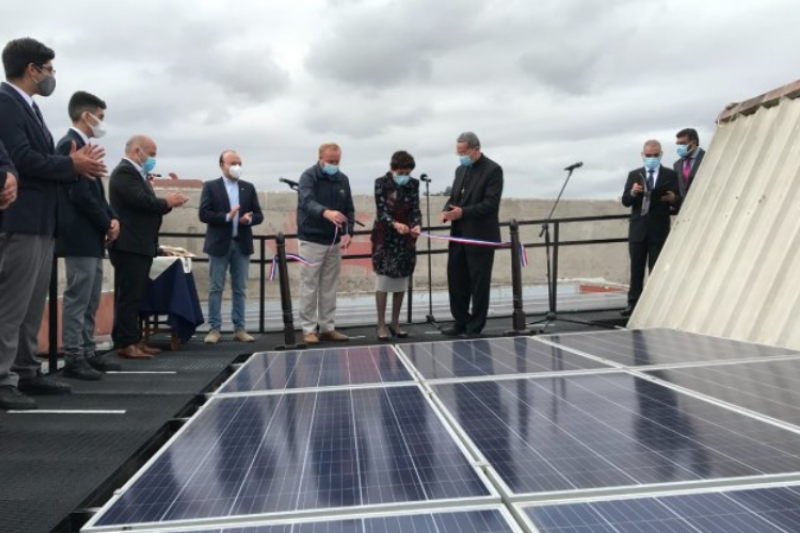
(28,98)
(655,175)
(82,135)
(232,188)
(138,167)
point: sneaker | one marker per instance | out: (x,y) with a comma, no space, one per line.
(81,370)
(43,385)
(310,338)
(334,336)
(241,335)
(99,363)
(212,337)
(12,398)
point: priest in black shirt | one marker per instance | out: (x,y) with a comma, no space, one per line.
(473,212)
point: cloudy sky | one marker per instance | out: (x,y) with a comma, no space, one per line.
(544,83)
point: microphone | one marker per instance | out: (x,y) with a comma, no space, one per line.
(290,183)
(574,166)
(425,178)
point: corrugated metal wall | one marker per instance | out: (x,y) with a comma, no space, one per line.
(731,266)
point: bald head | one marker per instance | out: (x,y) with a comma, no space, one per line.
(139,147)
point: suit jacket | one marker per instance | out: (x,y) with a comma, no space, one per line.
(6,166)
(140,211)
(683,187)
(215,206)
(40,170)
(652,226)
(84,213)
(477,189)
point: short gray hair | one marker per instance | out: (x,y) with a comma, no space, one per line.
(653,142)
(470,138)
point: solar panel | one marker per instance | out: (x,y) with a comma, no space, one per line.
(662,346)
(521,355)
(769,388)
(272,455)
(318,368)
(768,510)
(612,430)
(481,521)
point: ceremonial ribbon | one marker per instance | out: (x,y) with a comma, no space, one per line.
(273,269)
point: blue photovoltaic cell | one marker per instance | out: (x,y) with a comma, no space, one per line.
(489,521)
(308,451)
(611,430)
(494,357)
(319,368)
(768,388)
(662,346)
(773,510)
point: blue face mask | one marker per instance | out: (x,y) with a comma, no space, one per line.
(329,169)
(652,163)
(149,164)
(401,179)
(465,160)
(683,150)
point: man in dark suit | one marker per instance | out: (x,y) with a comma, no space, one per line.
(230,208)
(140,213)
(650,192)
(8,181)
(691,156)
(87,224)
(29,224)
(473,209)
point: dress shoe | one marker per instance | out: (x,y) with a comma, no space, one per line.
(452,332)
(334,336)
(212,337)
(149,350)
(628,311)
(310,338)
(241,335)
(397,332)
(99,363)
(82,370)
(132,352)
(12,398)
(383,337)
(43,385)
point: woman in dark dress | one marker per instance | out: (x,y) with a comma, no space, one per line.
(394,238)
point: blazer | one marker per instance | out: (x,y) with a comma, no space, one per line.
(83,212)
(655,225)
(477,190)
(6,166)
(678,168)
(40,170)
(215,206)
(140,211)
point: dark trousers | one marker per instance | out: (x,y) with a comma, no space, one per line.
(131,276)
(469,277)
(643,254)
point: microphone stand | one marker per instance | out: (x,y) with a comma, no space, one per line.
(552,315)
(430,319)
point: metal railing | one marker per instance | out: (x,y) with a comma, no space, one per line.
(261,241)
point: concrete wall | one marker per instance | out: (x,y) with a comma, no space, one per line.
(604,262)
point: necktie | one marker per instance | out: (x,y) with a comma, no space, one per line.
(650,184)
(40,117)
(687,170)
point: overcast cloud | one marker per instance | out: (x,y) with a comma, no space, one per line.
(544,84)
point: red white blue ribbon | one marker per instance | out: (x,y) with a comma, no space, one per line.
(523,254)
(273,269)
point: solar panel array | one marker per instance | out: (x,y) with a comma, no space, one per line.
(651,430)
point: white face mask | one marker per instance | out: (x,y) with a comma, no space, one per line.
(98,130)
(235,171)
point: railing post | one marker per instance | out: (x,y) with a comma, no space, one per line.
(410,299)
(290,342)
(519,327)
(52,326)
(263,293)
(554,281)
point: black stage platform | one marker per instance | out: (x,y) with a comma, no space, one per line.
(57,467)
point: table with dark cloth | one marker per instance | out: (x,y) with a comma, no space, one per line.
(173,293)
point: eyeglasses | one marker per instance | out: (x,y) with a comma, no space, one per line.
(50,69)
(652,155)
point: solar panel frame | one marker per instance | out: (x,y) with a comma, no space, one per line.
(781,354)
(503,513)
(221,391)
(493,497)
(606,368)
(518,509)
(610,492)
